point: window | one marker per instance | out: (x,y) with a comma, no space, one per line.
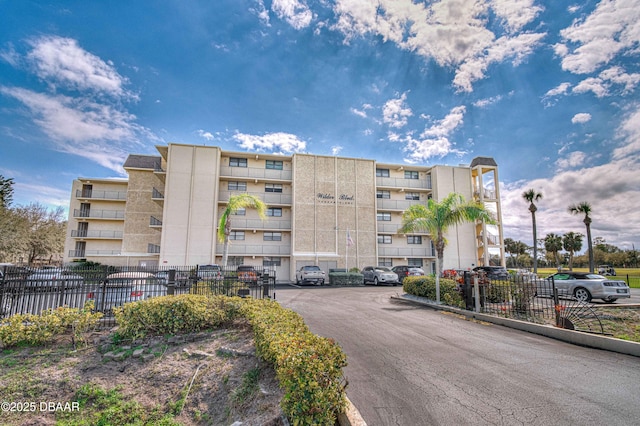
(413,196)
(415,262)
(410,174)
(240,212)
(274,211)
(272,187)
(384,239)
(272,261)
(382,172)
(385,261)
(414,239)
(236,186)
(236,235)
(272,236)
(383,194)
(274,165)
(384,216)
(237,162)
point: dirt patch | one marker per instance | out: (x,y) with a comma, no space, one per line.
(196,379)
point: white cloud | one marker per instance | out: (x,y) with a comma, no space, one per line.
(451,32)
(575,159)
(592,84)
(359,113)
(295,12)
(395,113)
(561,89)
(592,42)
(581,117)
(274,142)
(206,135)
(482,103)
(336,149)
(434,140)
(61,61)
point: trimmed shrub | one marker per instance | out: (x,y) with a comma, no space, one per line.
(217,287)
(345,278)
(184,313)
(309,367)
(425,286)
(40,329)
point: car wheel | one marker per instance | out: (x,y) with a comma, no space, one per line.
(375,280)
(582,294)
(610,300)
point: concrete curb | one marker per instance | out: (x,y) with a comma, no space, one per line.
(351,416)
(575,337)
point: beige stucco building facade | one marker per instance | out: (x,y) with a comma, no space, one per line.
(330,211)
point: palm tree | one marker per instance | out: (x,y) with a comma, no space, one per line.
(531,196)
(237,202)
(585,207)
(553,244)
(435,218)
(572,243)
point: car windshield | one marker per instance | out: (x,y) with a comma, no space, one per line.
(383,269)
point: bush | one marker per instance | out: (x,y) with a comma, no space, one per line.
(309,367)
(425,286)
(217,288)
(345,278)
(175,314)
(40,329)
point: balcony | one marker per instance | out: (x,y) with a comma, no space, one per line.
(269,223)
(236,249)
(156,195)
(404,251)
(399,205)
(255,173)
(389,182)
(86,253)
(270,198)
(99,214)
(97,235)
(101,195)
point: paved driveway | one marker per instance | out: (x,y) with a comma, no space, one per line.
(411,365)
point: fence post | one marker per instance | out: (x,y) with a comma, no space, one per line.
(477,291)
(171,282)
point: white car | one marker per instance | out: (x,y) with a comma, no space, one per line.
(379,274)
(310,274)
(584,286)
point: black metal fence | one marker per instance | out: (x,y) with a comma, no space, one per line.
(25,291)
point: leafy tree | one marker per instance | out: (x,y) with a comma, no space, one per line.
(6,192)
(45,232)
(553,245)
(531,196)
(572,243)
(632,257)
(237,202)
(436,218)
(585,208)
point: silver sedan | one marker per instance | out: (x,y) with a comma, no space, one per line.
(584,286)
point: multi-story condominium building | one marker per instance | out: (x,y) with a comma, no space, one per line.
(334,212)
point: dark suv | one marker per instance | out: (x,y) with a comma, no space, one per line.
(406,271)
(493,272)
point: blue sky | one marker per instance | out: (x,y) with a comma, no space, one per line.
(547,88)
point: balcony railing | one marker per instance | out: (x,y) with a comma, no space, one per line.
(153,248)
(85,253)
(386,204)
(255,173)
(155,194)
(99,214)
(404,252)
(255,250)
(101,195)
(157,167)
(76,233)
(153,221)
(403,183)
(270,223)
(268,197)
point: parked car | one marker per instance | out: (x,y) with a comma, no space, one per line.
(49,279)
(584,286)
(210,272)
(247,274)
(379,274)
(407,271)
(606,270)
(493,272)
(181,279)
(310,274)
(123,287)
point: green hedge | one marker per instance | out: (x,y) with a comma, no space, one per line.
(309,367)
(345,279)
(425,286)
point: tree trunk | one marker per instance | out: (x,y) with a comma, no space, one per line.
(587,222)
(532,209)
